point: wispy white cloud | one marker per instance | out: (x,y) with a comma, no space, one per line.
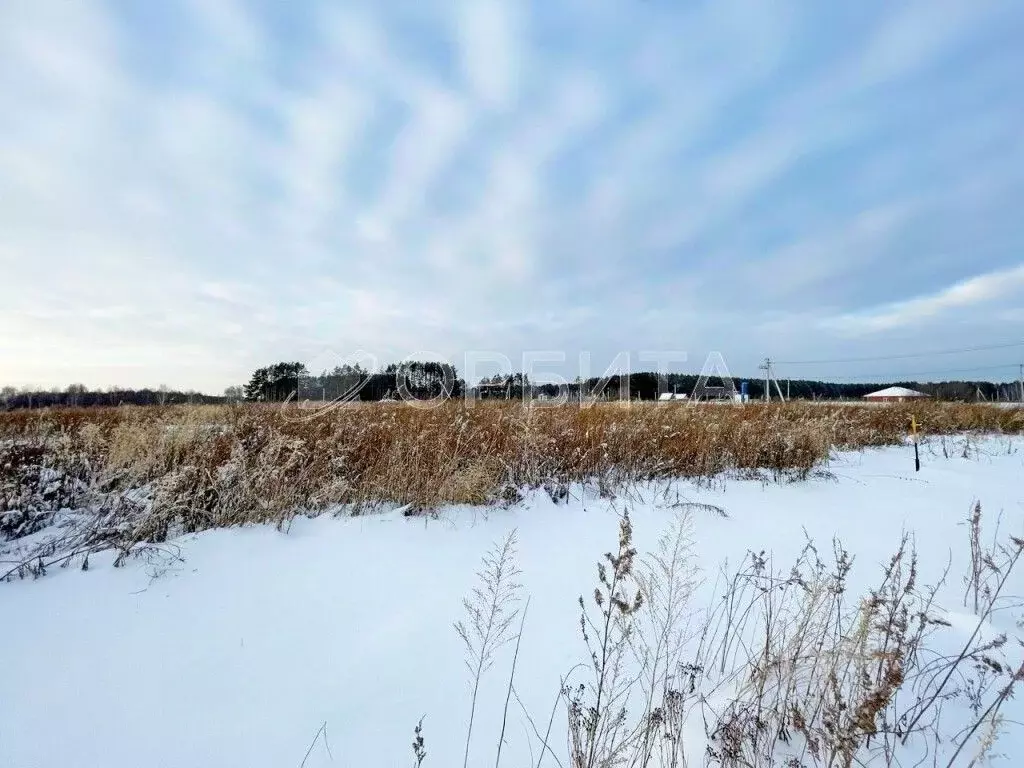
(490,49)
(227,25)
(978,291)
(803,270)
(186,197)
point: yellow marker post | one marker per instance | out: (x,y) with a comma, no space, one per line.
(913,430)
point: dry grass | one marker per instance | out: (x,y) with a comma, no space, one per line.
(788,668)
(786,665)
(212,466)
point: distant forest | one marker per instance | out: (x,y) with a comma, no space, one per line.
(426,380)
(80,396)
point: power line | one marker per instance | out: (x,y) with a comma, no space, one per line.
(904,376)
(769,377)
(907,356)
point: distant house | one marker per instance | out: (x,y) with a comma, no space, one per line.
(706,393)
(894,395)
(665,396)
(501,390)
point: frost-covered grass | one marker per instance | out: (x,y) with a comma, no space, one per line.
(746,647)
(145,474)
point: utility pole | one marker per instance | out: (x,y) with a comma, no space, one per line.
(1020,382)
(769,379)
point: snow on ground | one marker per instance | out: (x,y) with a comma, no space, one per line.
(236,654)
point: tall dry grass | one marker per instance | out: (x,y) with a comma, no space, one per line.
(152,472)
(785,665)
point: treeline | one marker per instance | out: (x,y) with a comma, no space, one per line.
(419,380)
(963,391)
(648,386)
(80,396)
(422,380)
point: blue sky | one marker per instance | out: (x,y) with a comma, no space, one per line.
(193,188)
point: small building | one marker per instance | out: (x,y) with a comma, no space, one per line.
(501,390)
(705,393)
(894,395)
(666,396)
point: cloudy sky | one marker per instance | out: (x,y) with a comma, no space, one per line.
(192,188)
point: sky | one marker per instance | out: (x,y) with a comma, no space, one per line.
(191,189)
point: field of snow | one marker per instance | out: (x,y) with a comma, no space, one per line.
(234,647)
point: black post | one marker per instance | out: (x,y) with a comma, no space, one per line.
(917,456)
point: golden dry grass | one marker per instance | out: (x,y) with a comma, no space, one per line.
(217,465)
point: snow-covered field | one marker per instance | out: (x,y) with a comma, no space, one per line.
(238,652)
